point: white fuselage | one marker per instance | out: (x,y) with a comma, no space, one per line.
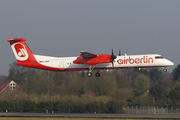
(132,61)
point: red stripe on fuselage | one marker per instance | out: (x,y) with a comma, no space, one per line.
(35,64)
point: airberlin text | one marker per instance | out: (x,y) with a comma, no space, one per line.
(144,59)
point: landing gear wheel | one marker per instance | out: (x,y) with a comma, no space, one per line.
(165,70)
(97,74)
(89,74)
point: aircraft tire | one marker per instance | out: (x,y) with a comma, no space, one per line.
(97,74)
(89,74)
(165,70)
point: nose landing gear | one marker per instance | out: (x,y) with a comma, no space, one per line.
(165,69)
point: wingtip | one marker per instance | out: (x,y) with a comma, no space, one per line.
(82,51)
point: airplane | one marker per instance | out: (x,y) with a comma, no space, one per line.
(86,60)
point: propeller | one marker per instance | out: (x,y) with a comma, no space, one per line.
(112,58)
(119,52)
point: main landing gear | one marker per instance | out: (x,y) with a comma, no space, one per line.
(89,74)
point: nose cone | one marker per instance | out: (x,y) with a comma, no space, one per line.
(170,63)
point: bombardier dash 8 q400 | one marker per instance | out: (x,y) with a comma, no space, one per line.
(86,60)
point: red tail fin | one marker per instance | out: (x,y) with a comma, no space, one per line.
(21,51)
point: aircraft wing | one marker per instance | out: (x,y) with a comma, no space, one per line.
(87,55)
(92,59)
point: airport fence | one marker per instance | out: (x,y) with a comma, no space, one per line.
(151,110)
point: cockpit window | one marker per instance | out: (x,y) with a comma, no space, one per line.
(159,57)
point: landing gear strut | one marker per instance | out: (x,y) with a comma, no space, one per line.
(89,74)
(165,69)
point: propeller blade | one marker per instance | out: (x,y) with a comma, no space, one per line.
(119,52)
(112,58)
(112,53)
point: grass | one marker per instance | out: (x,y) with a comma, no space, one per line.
(57,118)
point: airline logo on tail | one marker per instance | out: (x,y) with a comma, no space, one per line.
(20,51)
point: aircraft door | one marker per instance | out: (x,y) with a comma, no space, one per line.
(138,62)
(61,64)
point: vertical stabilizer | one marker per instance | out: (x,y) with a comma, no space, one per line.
(21,51)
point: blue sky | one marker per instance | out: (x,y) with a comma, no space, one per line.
(66,27)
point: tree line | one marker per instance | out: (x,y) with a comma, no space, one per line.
(122,87)
(59,107)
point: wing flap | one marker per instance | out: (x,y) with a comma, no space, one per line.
(92,59)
